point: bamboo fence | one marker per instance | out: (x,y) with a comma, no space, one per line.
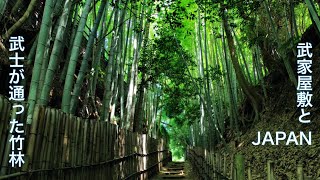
(214,166)
(61,146)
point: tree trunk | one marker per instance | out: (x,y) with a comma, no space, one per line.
(248,91)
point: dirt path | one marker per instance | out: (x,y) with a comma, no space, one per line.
(176,170)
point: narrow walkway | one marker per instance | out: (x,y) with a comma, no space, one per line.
(175,170)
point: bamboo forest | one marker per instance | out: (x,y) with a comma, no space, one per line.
(159,89)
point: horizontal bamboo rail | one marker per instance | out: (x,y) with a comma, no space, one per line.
(61,146)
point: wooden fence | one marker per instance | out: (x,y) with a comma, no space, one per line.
(61,146)
(207,165)
(215,166)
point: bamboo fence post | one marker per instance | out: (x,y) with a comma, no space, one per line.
(225,164)
(45,138)
(44,142)
(94,146)
(84,142)
(4,137)
(300,171)
(77,154)
(61,150)
(217,161)
(80,141)
(73,148)
(105,151)
(108,154)
(32,139)
(66,146)
(50,139)
(5,160)
(56,135)
(3,112)
(79,138)
(73,126)
(112,145)
(270,174)
(232,169)
(99,145)
(39,140)
(89,171)
(215,169)
(239,166)
(249,172)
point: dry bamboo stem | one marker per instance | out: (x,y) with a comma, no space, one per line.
(5,160)
(2,122)
(44,147)
(61,144)
(56,139)
(80,146)
(50,139)
(40,131)
(4,119)
(32,139)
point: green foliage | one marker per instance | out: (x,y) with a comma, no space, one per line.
(179,139)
